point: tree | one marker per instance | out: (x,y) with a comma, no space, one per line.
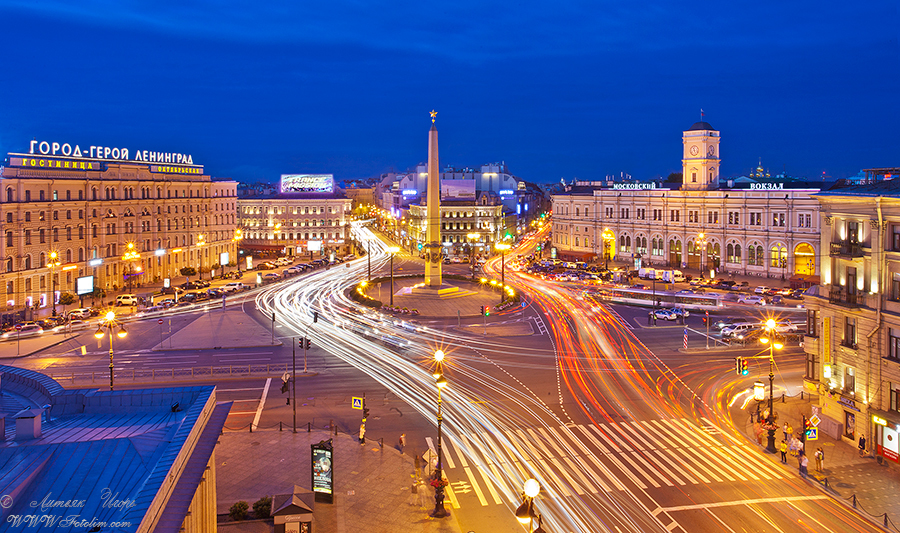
(674,177)
(67,298)
(188,272)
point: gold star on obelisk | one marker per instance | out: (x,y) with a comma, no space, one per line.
(433,114)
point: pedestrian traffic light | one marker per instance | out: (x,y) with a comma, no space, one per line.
(487,310)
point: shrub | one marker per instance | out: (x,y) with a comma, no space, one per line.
(238,511)
(263,507)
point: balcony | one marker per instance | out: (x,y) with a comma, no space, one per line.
(846,249)
(840,296)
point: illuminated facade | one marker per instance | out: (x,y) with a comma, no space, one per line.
(294,224)
(458,220)
(853,341)
(769,229)
(88,213)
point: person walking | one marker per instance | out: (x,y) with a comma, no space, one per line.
(804,461)
(784,430)
(790,429)
(422,491)
(819,457)
(783,449)
(362,433)
(402,442)
(862,445)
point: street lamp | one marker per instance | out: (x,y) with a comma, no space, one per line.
(608,239)
(774,344)
(109,322)
(472,237)
(54,262)
(503,247)
(525,513)
(700,243)
(392,250)
(201,242)
(439,510)
(130,256)
(238,237)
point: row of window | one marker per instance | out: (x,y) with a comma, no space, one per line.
(292,210)
(110,193)
(804,220)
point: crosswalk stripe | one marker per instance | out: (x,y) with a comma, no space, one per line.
(444,456)
(687,464)
(475,486)
(640,458)
(507,466)
(462,456)
(700,459)
(487,480)
(671,436)
(634,479)
(660,459)
(536,457)
(591,457)
(689,436)
(701,433)
(737,460)
(660,439)
(602,435)
(691,452)
(565,472)
(725,462)
(552,442)
(626,446)
(745,455)
(637,435)
(564,456)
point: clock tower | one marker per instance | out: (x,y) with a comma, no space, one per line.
(700,162)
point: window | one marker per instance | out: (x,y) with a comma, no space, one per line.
(56,215)
(28,236)
(755,219)
(812,327)
(894,344)
(68,195)
(43,236)
(849,379)
(895,287)
(849,332)
(41,196)
(27,216)
(895,392)
(895,237)
(853,232)
(811,370)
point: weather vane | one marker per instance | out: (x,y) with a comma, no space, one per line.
(433,114)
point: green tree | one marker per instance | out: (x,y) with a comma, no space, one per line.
(188,272)
(67,298)
(674,177)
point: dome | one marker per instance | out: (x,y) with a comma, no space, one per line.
(701,126)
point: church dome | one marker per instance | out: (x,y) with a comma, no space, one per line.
(701,126)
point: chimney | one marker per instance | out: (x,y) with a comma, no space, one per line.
(28,424)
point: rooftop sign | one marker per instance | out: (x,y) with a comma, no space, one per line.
(66,156)
(300,183)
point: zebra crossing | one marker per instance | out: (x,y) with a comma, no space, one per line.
(575,460)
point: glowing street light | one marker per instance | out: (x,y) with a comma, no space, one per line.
(392,250)
(54,262)
(110,323)
(774,344)
(525,513)
(439,510)
(474,238)
(503,247)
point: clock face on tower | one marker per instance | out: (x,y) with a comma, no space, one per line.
(694,150)
(711,151)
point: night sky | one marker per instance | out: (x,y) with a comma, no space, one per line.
(555,89)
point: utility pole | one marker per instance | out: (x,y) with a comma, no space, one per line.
(273,327)
(294,380)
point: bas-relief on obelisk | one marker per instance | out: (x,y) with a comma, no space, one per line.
(433,248)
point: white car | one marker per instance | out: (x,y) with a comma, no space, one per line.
(72,325)
(737,329)
(80,313)
(271,276)
(233,286)
(664,314)
(762,289)
(28,330)
(127,299)
(751,299)
(293,270)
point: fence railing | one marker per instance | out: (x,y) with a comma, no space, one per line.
(172,374)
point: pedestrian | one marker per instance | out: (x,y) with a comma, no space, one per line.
(819,457)
(801,447)
(790,429)
(783,449)
(804,461)
(784,430)
(422,491)
(402,442)
(862,445)
(362,433)
(414,492)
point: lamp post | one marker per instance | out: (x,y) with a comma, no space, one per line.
(238,237)
(773,344)
(129,257)
(439,510)
(503,247)
(700,243)
(201,242)
(109,322)
(474,238)
(525,513)
(608,239)
(54,262)
(392,250)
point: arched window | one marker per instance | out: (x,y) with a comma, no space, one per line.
(69,255)
(9,218)
(27,262)
(737,253)
(9,264)
(81,254)
(9,198)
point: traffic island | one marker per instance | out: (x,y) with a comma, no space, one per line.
(218,329)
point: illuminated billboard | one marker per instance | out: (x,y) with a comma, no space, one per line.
(457,189)
(307,183)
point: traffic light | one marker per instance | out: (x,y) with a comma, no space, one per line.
(482,310)
(738,365)
(300,342)
(365,413)
(744,370)
(307,345)
(487,310)
(315,316)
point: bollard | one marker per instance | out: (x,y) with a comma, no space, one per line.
(251,428)
(854,501)
(381,442)
(885,519)
(826,482)
(279,426)
(782,397)
(801,395)
(307,427)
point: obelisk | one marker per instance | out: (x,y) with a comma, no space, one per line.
(433,248)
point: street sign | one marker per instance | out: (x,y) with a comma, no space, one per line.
(814,420)
(357,403)
(812,434)
(159,322)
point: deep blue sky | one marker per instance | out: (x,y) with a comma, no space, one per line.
(555,89)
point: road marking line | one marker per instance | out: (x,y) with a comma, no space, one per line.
(462,456)
(241,413)
(453,501)
(481,469)
(637,434)
(655,456)
(699,464)
(615,446)
(262,403)
(743,502)
(634,479)
(600,467)
(687,464)
(444,456)
(536,457)
(475,486)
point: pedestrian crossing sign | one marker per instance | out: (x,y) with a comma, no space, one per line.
(812,434)
(357,403)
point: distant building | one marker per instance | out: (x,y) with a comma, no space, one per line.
(88,210)
(758,227)
(308,215)
(853,318)
(143,459)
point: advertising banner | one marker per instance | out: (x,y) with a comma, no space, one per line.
(84,285)
(322,456)
(457,189)
(307,183)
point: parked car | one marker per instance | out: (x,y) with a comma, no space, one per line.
(271,276)
(726,322)
(80,313)
(127,299)
(762,289)
(215,293)
(233,286)
(664,314)
(752,299)
(681,311)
